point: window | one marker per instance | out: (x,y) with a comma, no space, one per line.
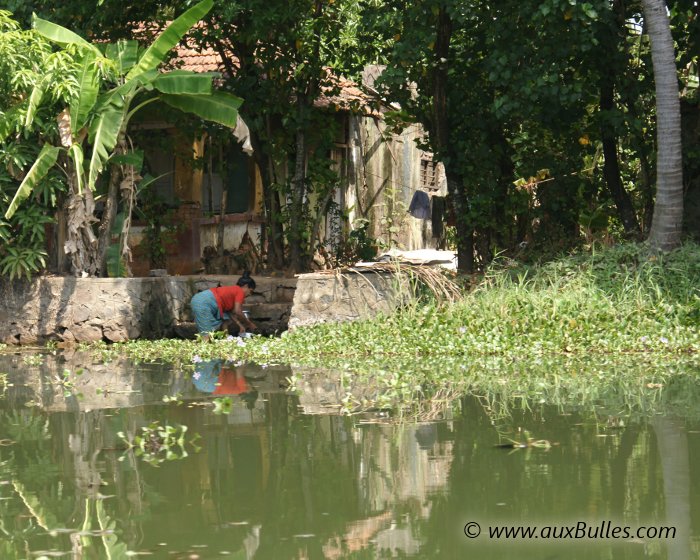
(428,174)
(237,176)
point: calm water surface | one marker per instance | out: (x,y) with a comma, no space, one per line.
(276,475)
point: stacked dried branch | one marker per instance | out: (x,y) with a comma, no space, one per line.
(436,280)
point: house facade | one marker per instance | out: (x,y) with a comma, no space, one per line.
(380,173)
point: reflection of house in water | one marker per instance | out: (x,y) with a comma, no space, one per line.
(396,468)
(83,380)
(270,481)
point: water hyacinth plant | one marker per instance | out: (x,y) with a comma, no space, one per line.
(158,443)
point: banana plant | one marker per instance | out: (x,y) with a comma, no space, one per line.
(116,80)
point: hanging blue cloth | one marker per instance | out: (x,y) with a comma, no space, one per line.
(420,206)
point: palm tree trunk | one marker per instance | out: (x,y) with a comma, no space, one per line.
(667,223)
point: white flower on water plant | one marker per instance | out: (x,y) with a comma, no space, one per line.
(196,359)
(196,375)
(644,339)
(462,330)
(664,340)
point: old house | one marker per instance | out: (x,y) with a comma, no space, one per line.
(380,174)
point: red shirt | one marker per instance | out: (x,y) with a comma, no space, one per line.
(227,297)
(230,383)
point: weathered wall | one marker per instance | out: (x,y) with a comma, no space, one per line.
(68,309)
(71,309)
(336,297)
(384,173)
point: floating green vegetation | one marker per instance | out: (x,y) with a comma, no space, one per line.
(223,405)
(619,320)
(67,383)
(32,359)
(158,443)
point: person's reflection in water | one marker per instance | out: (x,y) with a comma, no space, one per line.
(222,378)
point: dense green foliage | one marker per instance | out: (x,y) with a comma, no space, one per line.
(87,138)
(542,112)
(28,64)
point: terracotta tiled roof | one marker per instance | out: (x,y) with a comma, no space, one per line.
(345,95)
(194,60)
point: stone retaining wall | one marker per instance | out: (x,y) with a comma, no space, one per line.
(67,309)
(347,296)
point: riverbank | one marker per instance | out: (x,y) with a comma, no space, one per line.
(601,317)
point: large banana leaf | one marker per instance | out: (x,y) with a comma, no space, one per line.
(76,153)
(87,94)
(182,81)
(103,136)
(155,54)
(117,95)
(124,53)
(219,107)
(34,102)
(61,35)
(44,161)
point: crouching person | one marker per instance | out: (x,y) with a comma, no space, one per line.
(217,308)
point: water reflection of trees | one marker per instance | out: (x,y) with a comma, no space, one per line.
(277,482)
(599,471)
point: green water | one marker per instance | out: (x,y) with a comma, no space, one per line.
(274,475)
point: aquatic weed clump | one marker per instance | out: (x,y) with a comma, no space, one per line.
(618,301)
(621,300)
(570,330)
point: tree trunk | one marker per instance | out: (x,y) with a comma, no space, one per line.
(274,231)
(672,442)
(667,223)
(440,132)
(611,166)
(296,218)
(81,242)
(108,215)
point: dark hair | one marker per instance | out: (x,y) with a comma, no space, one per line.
(246,280)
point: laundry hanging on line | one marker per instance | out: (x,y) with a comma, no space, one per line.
(420,206)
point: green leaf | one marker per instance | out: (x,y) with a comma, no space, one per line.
(220,107)
(184,82)
(34,102)
(8,120)
(104,134)
(61,35)
(76,153)
(44,161)
(118,95)
(87,94)
(171,36)
(149,180)
(124,53)
(134,159)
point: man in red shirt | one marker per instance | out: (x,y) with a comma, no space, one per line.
(215,308)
